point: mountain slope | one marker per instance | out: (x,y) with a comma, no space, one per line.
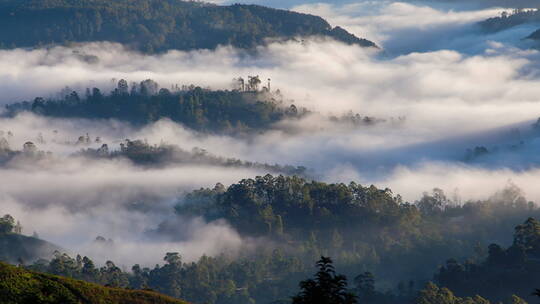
(507,21)
(535,35)
(156,25)
(16,246)
(20,286)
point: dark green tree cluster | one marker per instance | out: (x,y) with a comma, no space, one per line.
(508,20)
(269,205)
(503,271)
(83,268)
(327,287)
(7,224)
(367,230)
(194,107)
(155,25)
(433,294)
(220,279)
(142,153)
(362,226)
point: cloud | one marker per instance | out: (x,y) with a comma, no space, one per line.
(70,201)
(404,27)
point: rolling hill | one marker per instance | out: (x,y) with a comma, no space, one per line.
(19,286)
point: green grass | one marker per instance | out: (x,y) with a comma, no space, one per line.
(20,286)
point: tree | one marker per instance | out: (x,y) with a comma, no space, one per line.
(123,87)
(528,235)
(432,294)
(516,300)
(254,82)
(173,258)
(365,286)
(7,223)
(326,288)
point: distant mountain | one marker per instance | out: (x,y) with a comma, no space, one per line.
(18,286)
(507,21)
(14,247)
(156,25)
(535,35)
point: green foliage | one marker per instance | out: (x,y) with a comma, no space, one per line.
(298,206)
(141,153)
(7,224)
(326,288)
(369,231)
(194,107)
(155,25)
(432,294)
(503,272)
(19,286)
(509,20)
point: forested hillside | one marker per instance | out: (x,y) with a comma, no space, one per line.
(369,232)
(156,25)
(220,111)
(509,20)
(514,268)
(20,286)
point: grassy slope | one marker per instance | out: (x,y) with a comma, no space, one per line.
(21,286)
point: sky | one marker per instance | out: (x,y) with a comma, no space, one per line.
(440,84)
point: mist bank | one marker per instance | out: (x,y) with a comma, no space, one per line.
(415,84)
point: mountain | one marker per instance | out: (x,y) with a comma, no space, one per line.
(14,247)
(156,25)
(19,286)
(535,35)
(509,20)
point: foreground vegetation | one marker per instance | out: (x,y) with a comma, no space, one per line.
(20,286)
(391,249)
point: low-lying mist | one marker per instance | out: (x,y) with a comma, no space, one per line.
(438,100)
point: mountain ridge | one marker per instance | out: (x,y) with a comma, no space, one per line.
(157,26)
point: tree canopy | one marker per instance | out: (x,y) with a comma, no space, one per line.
(156,25)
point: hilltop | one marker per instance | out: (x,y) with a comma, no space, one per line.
(156,25)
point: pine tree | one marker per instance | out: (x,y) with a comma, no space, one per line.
(326,288)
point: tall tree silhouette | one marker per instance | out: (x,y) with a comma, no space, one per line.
(326,288)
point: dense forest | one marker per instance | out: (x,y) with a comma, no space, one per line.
(245,109)
(156,25)
(141,153)
(138,152)
(369,232)
(509,20)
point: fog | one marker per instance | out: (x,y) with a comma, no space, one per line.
(440,85)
